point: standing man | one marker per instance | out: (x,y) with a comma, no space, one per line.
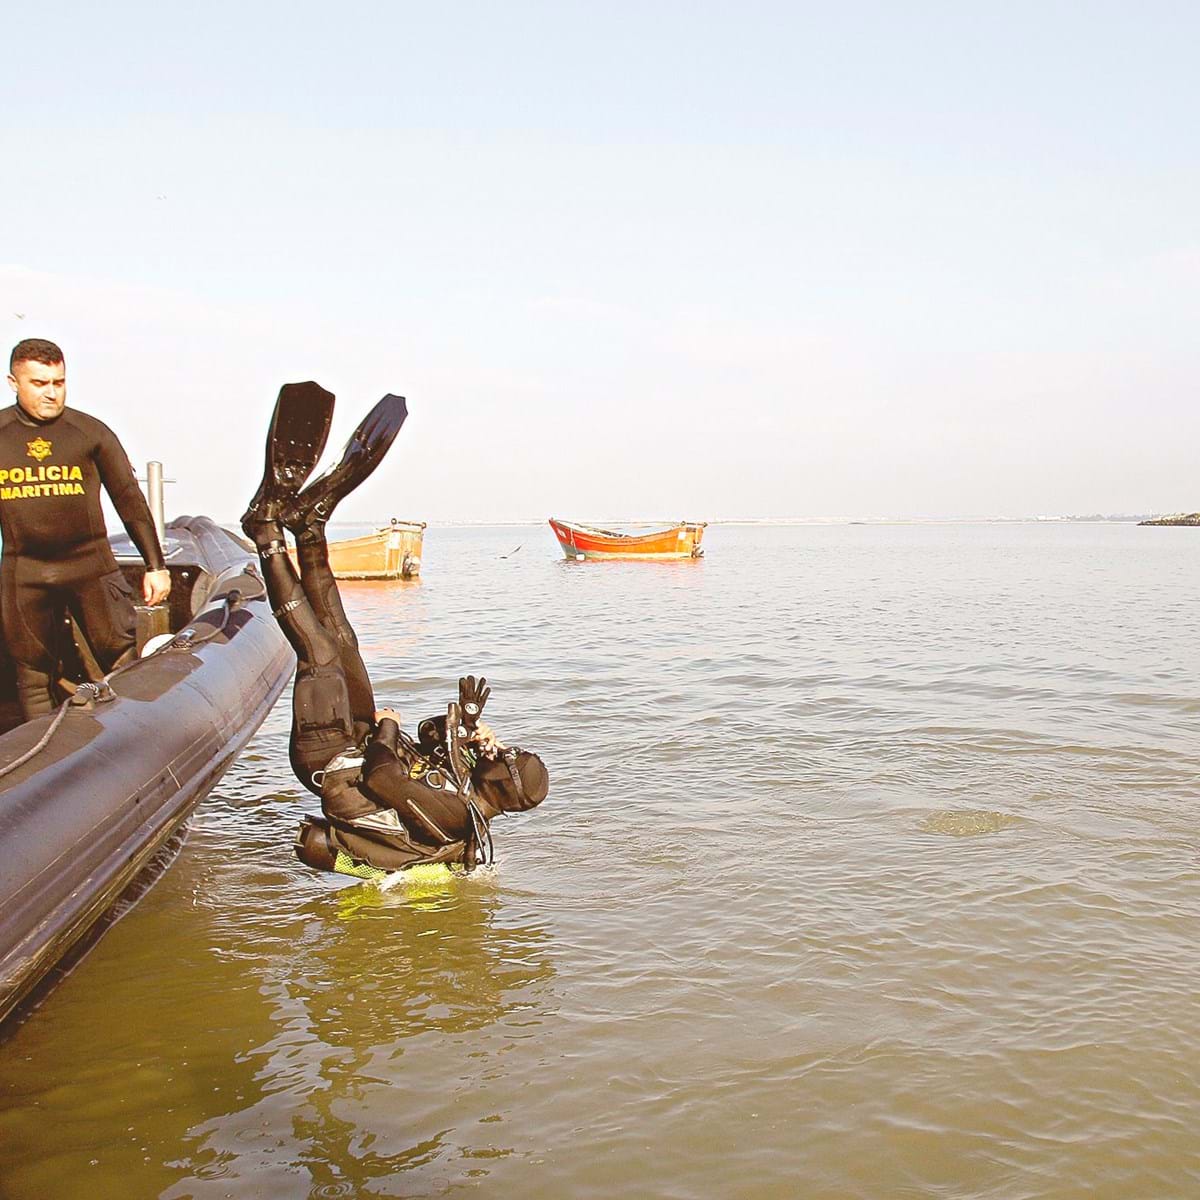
(56,552)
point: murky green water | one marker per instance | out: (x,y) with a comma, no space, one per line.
(869,870)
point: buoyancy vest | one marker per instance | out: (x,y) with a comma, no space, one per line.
(410,782)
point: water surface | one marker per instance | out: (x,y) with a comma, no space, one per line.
(869,870)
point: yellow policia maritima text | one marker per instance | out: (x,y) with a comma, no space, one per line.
(40,481)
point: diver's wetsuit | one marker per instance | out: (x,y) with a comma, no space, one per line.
(388,802)
(400,804)
(56,551)
(391,802)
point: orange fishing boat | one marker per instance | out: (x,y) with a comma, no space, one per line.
(586,541)
(392,552)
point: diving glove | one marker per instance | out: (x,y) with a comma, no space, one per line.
(472,696)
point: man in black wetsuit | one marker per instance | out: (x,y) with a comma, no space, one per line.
(53,463)
(389,801)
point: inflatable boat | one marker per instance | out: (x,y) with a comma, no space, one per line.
(91,793)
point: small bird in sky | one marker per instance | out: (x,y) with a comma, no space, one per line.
(19,316)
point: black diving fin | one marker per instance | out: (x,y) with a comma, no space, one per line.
(362,454)
(295,440)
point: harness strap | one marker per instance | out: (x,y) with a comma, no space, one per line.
(478,848)
(510,761)
(272,548)
(431,824)
(284,609)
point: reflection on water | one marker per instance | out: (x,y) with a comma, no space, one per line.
(869,869)
(373,1028)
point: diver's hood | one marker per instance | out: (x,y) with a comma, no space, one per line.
(515,782)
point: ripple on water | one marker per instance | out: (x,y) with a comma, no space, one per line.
(757,943)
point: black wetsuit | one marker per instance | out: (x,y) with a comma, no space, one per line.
(405,796)
(391,802)
(56,551)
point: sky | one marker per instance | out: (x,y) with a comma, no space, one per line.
(655,260)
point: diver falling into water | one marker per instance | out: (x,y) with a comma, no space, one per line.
(389,801)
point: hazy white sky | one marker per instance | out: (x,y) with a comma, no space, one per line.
(644,260)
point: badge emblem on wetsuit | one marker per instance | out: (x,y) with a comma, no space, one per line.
(39,448)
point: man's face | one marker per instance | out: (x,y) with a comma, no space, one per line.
(41,389)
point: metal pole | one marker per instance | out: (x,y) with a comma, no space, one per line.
(154,494)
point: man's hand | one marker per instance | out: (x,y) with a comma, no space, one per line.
(484,736)
(156,586)
(388,714)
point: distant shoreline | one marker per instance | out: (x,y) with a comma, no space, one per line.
(533,522)
(1174,519)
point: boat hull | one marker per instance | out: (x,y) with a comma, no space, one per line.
(586,542)
(118,776)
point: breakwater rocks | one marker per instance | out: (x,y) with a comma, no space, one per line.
(1174,519)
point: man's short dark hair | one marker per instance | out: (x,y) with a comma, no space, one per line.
(36,350)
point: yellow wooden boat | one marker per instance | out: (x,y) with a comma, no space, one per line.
(391,552)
